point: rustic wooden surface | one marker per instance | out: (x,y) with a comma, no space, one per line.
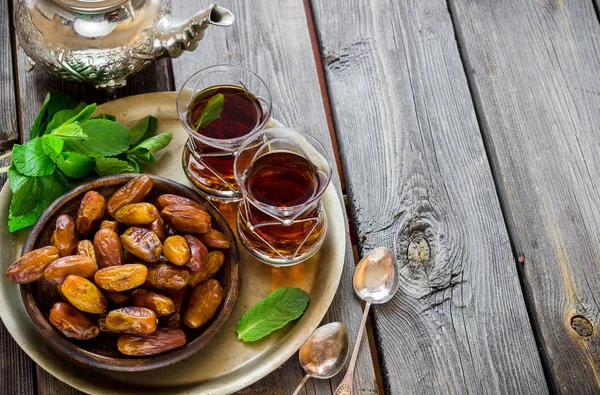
(274,42)
(463,128)
(405,114)
(533,66)
(17,371)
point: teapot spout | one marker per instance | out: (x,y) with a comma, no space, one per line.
(175,36)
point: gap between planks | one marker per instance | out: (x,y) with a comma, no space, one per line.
(505,211)
(331,126)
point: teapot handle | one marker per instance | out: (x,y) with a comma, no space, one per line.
(175,36)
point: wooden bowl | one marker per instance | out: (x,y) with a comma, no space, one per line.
(102,351)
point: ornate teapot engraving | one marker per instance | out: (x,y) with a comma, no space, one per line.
(104,41)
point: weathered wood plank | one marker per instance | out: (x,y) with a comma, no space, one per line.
(419,182)
(273,40)
(32,89)
(16,369)
(49,385)
(533,67)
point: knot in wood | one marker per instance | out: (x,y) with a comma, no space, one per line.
(582,326)
(418,250)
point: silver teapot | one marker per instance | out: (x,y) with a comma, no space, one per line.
(105,41)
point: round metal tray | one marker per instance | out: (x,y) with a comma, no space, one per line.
(226,364)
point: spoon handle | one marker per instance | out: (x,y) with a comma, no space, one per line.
(345,387)
(301,385)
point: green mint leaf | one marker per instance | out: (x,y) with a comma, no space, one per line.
(146,148)
(70,131)
(75,165)
(16,180)
(84,114)
(26,220)
(106,116)
(31,196)
(274,312)
(110,166)
(211,112)
(138,131)
(40,119)
(31,160)
(105,138)
(37,193)
(152,124)
(79,114)
(134,163)
(52,146)
(53,103)
(60,101)
(64,116)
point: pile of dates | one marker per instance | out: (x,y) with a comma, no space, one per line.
(151,262)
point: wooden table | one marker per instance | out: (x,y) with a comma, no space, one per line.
(467,137)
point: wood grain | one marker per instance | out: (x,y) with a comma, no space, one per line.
(17,371)
(49,385)
(407,129)
(272,39)
(533,67)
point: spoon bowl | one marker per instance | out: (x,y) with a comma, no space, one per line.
(325,352)
(376,279)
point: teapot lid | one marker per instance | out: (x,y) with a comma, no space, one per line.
(87,6)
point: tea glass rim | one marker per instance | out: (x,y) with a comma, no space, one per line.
(316,144)
(218,143)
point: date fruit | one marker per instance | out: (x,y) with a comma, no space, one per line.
(159,228)
(137,214)
(63,237)
(79,265)
(121,278)
(84,295)
(30,267)
(158,303)
(167,277)
(86,248)
(175,320)
(90,213)
(142,243)
(109,251)
(214,261)
(214,239)
(112,225)
(198,254)
(158,342)
(186,218)
(135,191)
(73,323)
(176,250)
(169,199)
(134,320)
(203,303)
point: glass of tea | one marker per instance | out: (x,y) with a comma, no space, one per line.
(282,174)
(220,107)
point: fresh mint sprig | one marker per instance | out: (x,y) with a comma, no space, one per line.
(66,142)
(273,312)
(212,111)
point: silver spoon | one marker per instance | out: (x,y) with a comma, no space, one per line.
(325,352)
(375,281)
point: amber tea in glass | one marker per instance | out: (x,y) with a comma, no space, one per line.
(209,154)
(282,174)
